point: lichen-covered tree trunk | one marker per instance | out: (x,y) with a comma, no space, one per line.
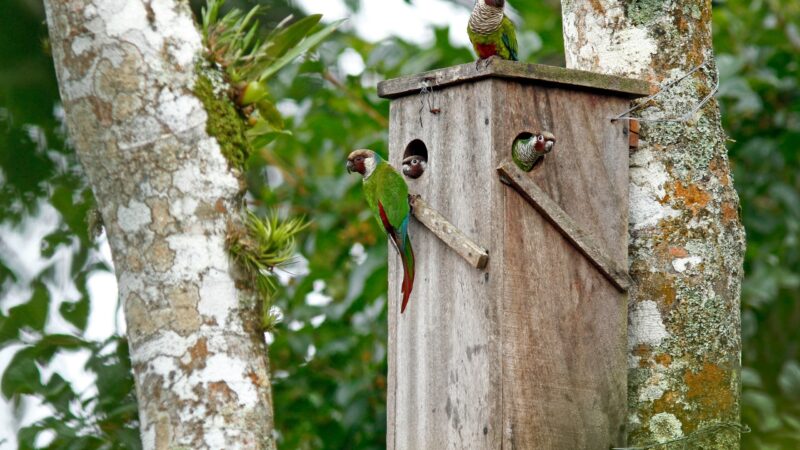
(126,71)
(686,238)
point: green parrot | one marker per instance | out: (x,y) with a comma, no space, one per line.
(491,32)
(387,197)
(527,151)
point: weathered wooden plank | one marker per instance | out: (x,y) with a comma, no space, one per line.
(456,239)
(563,324)
(518,179)
(517,71)
(444,351)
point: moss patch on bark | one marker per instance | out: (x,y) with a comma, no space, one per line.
(224,121)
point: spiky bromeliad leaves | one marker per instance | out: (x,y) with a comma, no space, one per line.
(249,59)
(259,246)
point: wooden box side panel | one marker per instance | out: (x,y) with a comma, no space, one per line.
(444,351)
(564,325)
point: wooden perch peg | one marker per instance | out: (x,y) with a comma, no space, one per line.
(477,256)
(550,210)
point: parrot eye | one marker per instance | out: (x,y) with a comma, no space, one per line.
(415,161)
(359,158)
(541,138)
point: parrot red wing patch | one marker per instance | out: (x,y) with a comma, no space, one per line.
(385,219)
(388,227)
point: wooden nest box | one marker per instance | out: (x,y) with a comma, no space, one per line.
(530,351)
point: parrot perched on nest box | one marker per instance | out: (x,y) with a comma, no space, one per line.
(491,32)
(527,151)
(387,197)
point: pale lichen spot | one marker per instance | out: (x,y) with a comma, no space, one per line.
(81,44)
(124,16)
(133,217)
(188,179)
(665,426)
(646,325)
(179,112)
(647,190)
(653,388)
(142,130)
(183,208)
(681,264)
(216,284)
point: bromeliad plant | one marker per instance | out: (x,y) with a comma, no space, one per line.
(260,246)
(235,43)
(248,119)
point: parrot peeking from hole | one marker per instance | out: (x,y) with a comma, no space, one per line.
(387,197)
(491,31)
(414,166)
(526,152)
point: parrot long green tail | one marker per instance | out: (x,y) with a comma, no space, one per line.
(408,273)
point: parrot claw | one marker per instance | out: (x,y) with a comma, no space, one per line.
(483,63)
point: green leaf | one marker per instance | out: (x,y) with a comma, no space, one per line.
(268,111)
(290,36)
(76,313)
(789,379)
(308,43)
(59,394)
(21,376)
(263,132)
(32,314)
(209,14)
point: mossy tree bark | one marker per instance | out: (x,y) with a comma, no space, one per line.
(127,72)
(686,238)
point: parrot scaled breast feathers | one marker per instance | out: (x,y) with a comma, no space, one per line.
(491,32)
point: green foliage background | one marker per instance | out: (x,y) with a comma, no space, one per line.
(329,375)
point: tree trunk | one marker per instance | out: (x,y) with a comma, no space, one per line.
(126,70)
(686,237)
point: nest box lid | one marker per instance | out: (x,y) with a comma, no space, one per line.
(516,71)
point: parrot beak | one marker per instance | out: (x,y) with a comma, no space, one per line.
(549,141)
(350,166)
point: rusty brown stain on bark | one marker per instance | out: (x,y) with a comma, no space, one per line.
(659,287)
(720,168)
(668,403)
(198,353)
(730,212)
(664,359)
(678,252)
(219,206)
(598,6)
(694,198)
(710,387)
(644,352)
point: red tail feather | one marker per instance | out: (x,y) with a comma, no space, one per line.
(408,276)
(406,288)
